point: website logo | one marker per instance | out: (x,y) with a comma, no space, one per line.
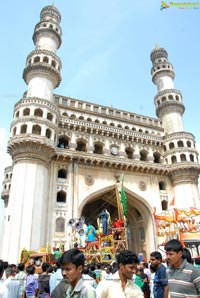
(164,5)
(180,5)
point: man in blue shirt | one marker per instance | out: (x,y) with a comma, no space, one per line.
(160,288)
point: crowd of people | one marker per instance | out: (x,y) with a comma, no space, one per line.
(124,278)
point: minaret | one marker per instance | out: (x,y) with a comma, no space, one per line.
(179,146)
(33,141)
(168,101)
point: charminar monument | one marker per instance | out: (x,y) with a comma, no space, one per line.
(68,155)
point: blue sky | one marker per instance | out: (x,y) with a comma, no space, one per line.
(105,55)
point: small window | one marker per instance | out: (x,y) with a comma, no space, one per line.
(162,185)
(61,197)
(164,204)
(62,173)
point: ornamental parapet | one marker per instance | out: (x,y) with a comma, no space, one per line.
(136,135)
(178,135)
(43,52)
(38,101)
(166,92)
(42,68)
(170,106)
(31,146)
(74,105)
(110,162)
(185,173)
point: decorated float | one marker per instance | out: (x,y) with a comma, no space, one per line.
(181,224)
(101,242)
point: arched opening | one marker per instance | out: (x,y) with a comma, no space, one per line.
(14,131)
(173,159)
(36,59)
(62,173)
(180,144)
(156,157)
(98,148)
(61,197)
(143,155)
(189,144)
(48,133)
(138,216)
(23,128)
(38,113)
(49,116)
(171,145)
(60,225)
(63,142)
(46,59)
(183,157)
(164,205)
(129,152)
(162,185)
(81,146)
(26,112)
(36,129)
(191,157)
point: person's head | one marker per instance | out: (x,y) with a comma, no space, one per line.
(155,259)
(174,252)
(127,262)
(30,269)
(45,266)
(8,272)
(72,264)
(1,268)
(20,267)
(14,269)
(108,269)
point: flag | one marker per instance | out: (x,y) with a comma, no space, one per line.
(123,199)
(119,205)
(172,203)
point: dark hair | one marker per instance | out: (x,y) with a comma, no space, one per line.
(73,256)
(173,245)
(58,264)
(1,267)
(157,255)
(20,266)
(187,255)
(127,257)
(45,266)
(30,269)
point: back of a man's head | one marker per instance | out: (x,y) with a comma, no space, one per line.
(157,255)
(21,266)
(174,245)
(127,257)
(74,256)
(45,266)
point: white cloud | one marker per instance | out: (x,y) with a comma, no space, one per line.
(5,159)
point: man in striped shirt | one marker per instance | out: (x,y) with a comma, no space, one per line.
(183,277)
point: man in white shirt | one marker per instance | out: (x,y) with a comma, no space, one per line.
(12,284)
(120,284)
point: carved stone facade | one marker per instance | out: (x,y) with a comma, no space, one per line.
(68,155)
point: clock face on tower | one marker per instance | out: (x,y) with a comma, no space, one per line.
(114,150)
